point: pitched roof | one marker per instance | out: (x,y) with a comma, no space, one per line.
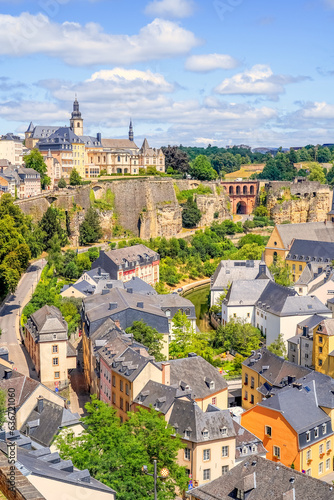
(139,286)
(160,396)
(23,387)
(245,292)
(43,131)
(327,327)
(197,373)
(246,439)
(187,416)
(119,144)
(312,321)
(272,481)
(128,363)
(49,319)
(317,231)
(306,250)
(131,254)
(232,270)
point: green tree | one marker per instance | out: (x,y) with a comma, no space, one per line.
(71,271)
(51,227)
(149,337)
(114,453)
(93,253)
(83,263)
(237,335)
(324,155)
(3,407)
(201,169)
(278,347)
(62,183)
(75,179)
(176,159)
(90,230)
(191,214)
(36,161)
(316,173)
(281,273)
(304,155)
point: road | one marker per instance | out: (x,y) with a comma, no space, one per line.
(10,317)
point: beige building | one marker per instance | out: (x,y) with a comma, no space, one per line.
(12,149)
(47,343)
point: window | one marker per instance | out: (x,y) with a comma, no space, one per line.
(324,428)
(114,381)
(206,474)
(246,395)
(252,383)
(127,389)
(308,472)
(224,470)
(277,452)
(252,399)
(268,430)
(316,432)
(121,403)
(320,340)
(57,374)
(224,451)
(321,468)
(248,315)
(223,431)
(54,349)
(214,401)
(246,379)
(55,361)
(308,455)
(205,434)
(113,398)
(320,350)
(127,406)
(308,436)
(121,385)
(320,362)
(206,455)
(167,313)
(293,267)
(321,449)
(300,268)
(187,454)
(187,434)
(328,463)
(328,445)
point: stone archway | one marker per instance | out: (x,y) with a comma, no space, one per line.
(241,208)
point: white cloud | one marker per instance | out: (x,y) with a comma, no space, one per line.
(79,45)
(318,110)
(209,62)
(259,80)
(170,8)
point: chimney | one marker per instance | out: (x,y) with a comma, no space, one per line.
(112,305)
(140,305)
(166,373)
(192,355)
(40,404)
(99,136)
(117,323)
(99,271)
(12,451)
(105,291)
(8,373)
(129,290)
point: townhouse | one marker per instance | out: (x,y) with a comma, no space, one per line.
(300,346)
(303,251)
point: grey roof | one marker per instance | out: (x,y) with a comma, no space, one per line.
(310,250)
(31,127)
(316,231)
(187,415)
(46,322)
(49,465)
(276,370)
(62,135)
(245,292)
(91,141)
(232,270)
(272,481)
(197,373)
(140,286)
(44,426)
(131,254)
(299,407)
(42,131)
(82,286)
(71,350)
(327,326)
(312,321)
(173,302)
(129,363)
(97,274)
(311,271)
(245,438)
(324,387)
(160,396)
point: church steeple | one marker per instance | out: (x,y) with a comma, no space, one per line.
(76,122)
(131,132)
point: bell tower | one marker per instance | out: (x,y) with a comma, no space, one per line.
(76,122)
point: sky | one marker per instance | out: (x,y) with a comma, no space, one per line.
(191,72)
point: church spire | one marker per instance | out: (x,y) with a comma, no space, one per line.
(131,132)
(76,122)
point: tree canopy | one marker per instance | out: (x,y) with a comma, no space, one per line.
(149,337)
(90,230)
(238,336)
(75,179)
(201,169)
(191,214)
(36,161)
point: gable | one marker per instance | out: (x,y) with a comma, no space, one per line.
(275,237)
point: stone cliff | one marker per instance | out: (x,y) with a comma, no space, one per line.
(297,202)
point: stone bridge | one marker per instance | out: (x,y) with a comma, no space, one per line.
(242,194)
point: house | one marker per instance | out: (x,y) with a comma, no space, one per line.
(257,479)
(246,444)
(124,263)
(46,340)
(272,308)
(43,475)
(281,238)
(206,383)
(304,251)
(151,157)
(262,372)
(312,277)
(172,303)
(22,182)
(323,347)
(232,270)
(47,420)
(300,346)
(294,428)
(12,148)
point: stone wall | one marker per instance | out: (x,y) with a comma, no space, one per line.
(298,202)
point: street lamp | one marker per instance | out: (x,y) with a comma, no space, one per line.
(164,473)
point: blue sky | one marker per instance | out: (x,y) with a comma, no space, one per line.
(186,71)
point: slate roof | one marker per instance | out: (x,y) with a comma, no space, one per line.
(119,144)
(272,480)
(97,274)
(23,387)
(232,270)
(43,464)
(299,407)
(160,396)
(140,286)
(187,415)
(327,327)
(49,319)
(90,141)
(316,231)
(312,321)
(274,369)
(174,302)
(306,250)
(61,136)
(197,373)
(82,286)
(42,131)
(71,350)
(324,387)
(245,438)
(44,426)
(131,254)
(128,363)
(245,292)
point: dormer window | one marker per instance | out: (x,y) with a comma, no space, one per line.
(324,428)
(223,431)
(316,432)
(212,385)
(168,313)
(244,450)
(205,434)
(187,434)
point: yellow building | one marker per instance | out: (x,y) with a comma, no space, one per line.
(264,371)
(323,347)
(46,341)
(303,252)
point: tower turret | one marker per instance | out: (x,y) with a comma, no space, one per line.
(76,122)
(131,132)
